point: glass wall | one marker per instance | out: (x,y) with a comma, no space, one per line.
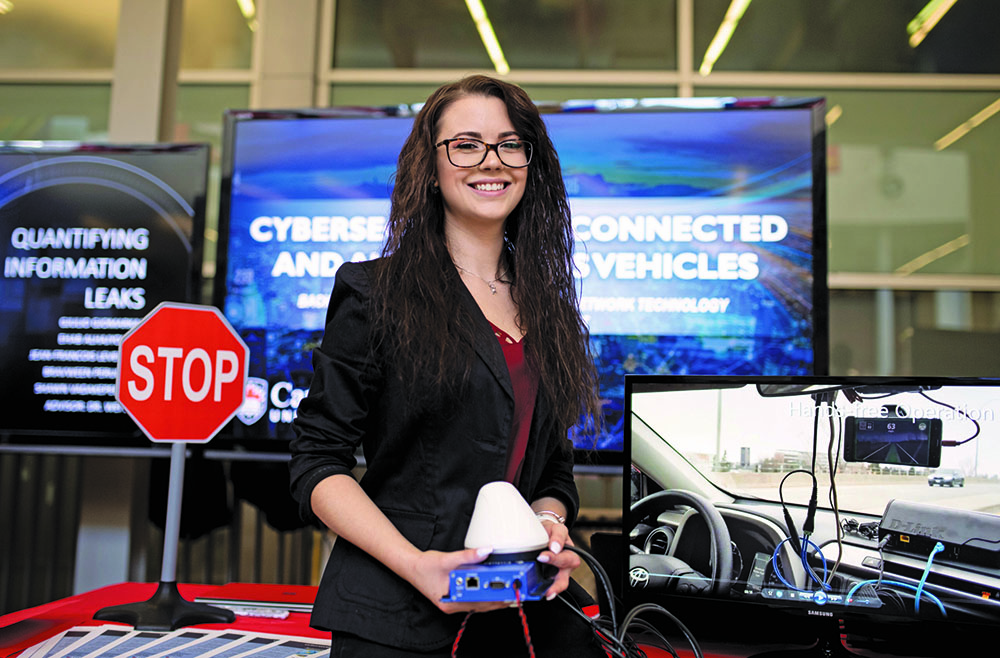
(54,34)
(944,333)
(77,112)
(544,34)
(852,36)
(55,69)
(216,36)
(199,119)
(360,94)
(886,179)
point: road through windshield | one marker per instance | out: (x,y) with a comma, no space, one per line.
(747,444)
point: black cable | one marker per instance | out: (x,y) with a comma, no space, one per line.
(793,533)
(957,410)
(868,530)
(820,399)
(817,401)
(787,475)
(663,642)
(602,575)
(652,607)
(891,596)
(833,457)
(619,644)
(606,638)
(614,641)
(881,561)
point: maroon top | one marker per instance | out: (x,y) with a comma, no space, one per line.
(525,382)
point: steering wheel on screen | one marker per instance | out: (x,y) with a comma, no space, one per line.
(670,573)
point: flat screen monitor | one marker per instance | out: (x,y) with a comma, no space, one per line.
(821,516)
(699,224)
(93,238)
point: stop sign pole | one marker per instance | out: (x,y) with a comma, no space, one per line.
(182,375)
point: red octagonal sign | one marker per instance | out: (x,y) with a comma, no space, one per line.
(182,373)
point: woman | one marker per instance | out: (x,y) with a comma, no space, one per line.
(456,359)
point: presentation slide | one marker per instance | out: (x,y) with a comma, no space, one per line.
(694,238)
(93,239)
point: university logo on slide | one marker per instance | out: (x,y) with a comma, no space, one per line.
(254,401)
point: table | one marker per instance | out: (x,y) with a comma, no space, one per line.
(24,628)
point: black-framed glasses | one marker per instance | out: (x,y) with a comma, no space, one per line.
(470,152)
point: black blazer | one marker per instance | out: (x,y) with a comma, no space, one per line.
(424,470)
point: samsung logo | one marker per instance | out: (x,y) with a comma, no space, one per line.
(819,613)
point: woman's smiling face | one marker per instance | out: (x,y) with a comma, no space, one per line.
(485,194)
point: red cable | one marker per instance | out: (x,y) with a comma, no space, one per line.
(524,624)
(461,629)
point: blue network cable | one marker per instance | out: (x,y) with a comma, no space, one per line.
(935,600)
(918,589)
(806,543)
(938,547)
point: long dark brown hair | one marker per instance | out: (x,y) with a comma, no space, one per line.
(416,320)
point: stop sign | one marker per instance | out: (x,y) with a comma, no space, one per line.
(182,372)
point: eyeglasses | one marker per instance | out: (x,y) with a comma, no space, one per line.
(469,152)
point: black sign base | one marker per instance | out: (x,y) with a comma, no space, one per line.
(166,610)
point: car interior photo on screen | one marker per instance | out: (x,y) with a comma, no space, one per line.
(802,503)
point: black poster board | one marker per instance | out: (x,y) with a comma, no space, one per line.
(93,238)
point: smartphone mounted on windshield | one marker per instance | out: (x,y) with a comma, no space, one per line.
(890,438)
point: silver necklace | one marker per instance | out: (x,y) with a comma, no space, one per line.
(492,284)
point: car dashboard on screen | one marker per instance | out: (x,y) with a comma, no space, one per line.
(810,497)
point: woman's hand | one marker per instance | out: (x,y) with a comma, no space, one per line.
(565,560)
(347,510)
(430,571)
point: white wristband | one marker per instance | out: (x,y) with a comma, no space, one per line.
(550,515)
